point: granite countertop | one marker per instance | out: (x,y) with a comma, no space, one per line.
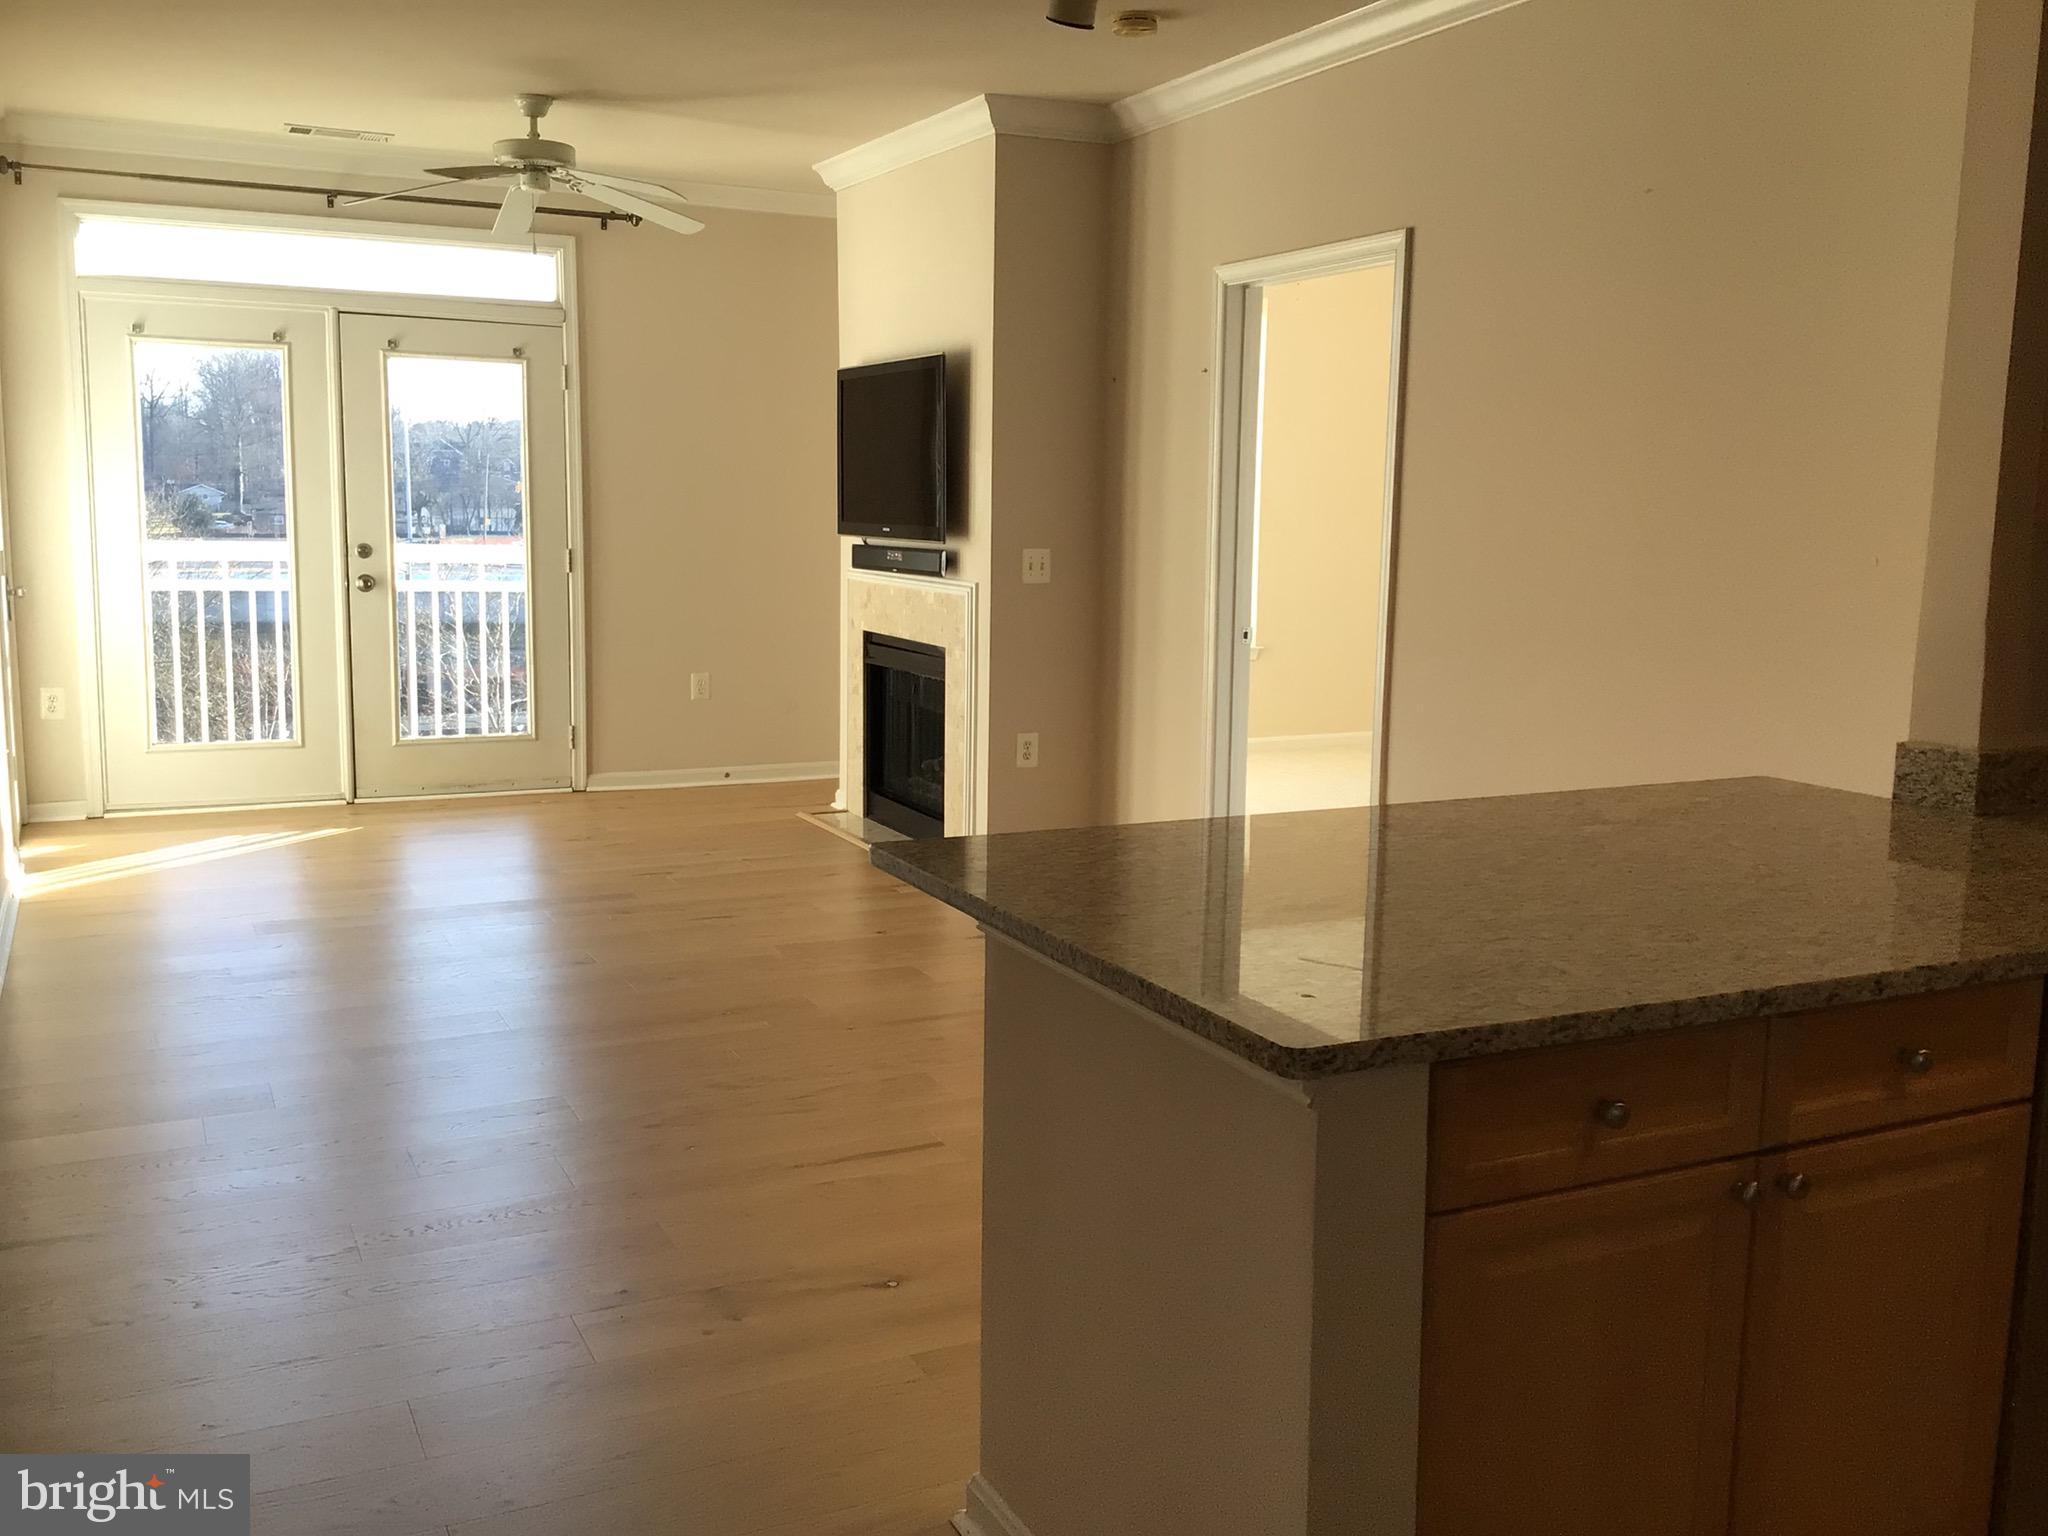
(1335,941)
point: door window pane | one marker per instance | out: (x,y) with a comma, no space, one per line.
(217,542)
(459,563)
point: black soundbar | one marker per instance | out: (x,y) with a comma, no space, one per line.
(899,558)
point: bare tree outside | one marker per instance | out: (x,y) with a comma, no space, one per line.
(217,550)
(459,532)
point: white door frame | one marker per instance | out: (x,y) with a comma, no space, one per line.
(15,749)
(1233,493)
(389,764)
(84,546)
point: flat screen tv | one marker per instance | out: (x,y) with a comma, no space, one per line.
(892,450)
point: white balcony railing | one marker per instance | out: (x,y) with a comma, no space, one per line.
(220,628)
(220,638)
(461,612)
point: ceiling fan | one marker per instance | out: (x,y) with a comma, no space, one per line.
(534,165)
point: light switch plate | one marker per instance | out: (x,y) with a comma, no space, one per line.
(1037,567)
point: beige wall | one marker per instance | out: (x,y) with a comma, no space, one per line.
(917,276)
(1322,487)
(1267,1387)
(1981,678)
(706,370)
(1051,297)
(708,416)
(1674,351)
(996,249)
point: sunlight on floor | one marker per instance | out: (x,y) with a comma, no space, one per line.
(158,860)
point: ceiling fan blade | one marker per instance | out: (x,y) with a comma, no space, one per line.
(469,172)
(632,186)
(515,217)
(625,202)
(378,197)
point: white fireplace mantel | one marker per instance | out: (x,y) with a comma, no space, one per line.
(934,611)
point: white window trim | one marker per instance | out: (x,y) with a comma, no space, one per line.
(355,301)
(84,546)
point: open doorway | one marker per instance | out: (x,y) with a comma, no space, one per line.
(1308,422)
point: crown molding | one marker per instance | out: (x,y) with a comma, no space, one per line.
(928,136)
(1024,117)
(393,162)
(1042,117)
(1340,40)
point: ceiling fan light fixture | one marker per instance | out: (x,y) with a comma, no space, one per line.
(1078,14)
(534,166)
(532,151)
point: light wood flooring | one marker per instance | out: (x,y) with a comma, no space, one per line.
(599,1163)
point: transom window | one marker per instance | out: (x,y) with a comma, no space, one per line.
(110,246)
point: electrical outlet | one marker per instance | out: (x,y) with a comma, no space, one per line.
(53,703)
(1037,567)
(700,685)
(1027,749)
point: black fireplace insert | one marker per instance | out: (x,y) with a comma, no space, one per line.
(905,737)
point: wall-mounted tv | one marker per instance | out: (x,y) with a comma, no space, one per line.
(892,450)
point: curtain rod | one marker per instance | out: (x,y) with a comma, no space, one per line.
(14,168)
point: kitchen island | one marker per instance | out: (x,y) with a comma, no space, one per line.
(1651,1160)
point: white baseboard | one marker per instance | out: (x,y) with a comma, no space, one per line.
(986,1514)
(55,810)
(696,778)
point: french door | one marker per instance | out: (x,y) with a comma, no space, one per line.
(264,639)
(217,571)
(456,480)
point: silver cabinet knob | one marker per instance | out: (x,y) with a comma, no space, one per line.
(1747,1192)
(1918,1062)
(1795,1185)
(362,551)
(1613,1113)
(366,582)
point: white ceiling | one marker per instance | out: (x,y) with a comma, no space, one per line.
(740,92)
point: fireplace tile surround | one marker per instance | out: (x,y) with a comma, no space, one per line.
(932,611)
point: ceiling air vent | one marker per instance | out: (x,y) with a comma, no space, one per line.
(358,135)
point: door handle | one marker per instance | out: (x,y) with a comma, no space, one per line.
(366,582)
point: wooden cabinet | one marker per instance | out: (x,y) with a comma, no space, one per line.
(1525,1124)
(1807,1339)
(1843,1070)
(1879,1301)
(1581,1353)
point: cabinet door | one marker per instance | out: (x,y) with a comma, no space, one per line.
(1879,1305)
(1581,1356)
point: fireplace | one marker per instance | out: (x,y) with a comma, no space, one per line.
(904,740)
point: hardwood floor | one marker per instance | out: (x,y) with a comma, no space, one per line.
(551,1164)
